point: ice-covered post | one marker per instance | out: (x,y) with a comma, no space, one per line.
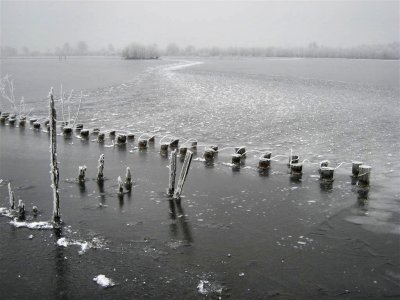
(172,173)
(21,210)
(82,173)
(164,148)
(120,186)
(55,175)
(327,174)
(184,172)
(128,179)
(100,137)
(296,169)
(355,168)
(209,154)
(364,175)
(11,196)
(100,168)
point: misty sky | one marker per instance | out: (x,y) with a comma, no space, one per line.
(43,25)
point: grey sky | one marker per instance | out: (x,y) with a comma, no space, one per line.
(44,25)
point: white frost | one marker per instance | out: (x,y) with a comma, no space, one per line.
(62,242)
(103,281)
(32,225)
(85,246)
(5,212)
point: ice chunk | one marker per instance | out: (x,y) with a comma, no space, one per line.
(103,281)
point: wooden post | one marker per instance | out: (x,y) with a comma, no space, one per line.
(95,130)
(296,169)
(236,159)
(364,175)
(100,168)
(194,145)
(293,159)
(182,151)
(241,151)
(131,136)
(128,179)
(120,186)
(67,130)
(142,144)
(151,139)
(21,210)
(214,147)
(322,164)
(355,168)
(121,138)
(55,175)
(11,120)
(22,121)
(85,133)
(11,196)
(82,173)
(164,148)
(112,133)
(327,174)
(183,175)
(263,163)
(3,118)
(209,154)
(267,155)
(36,125)
(79,126)
(172,173)
(100,137)
(174,143)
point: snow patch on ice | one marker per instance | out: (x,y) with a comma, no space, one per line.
(5,212)
(103,281)
(199,159)
(32,225)
(84,245)
(206,287)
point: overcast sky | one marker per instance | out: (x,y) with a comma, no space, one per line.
(43,25)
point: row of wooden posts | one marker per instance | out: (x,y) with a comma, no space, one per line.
(128,183)
(360,172)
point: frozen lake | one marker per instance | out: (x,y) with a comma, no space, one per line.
(235,234)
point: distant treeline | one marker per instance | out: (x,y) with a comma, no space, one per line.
(383,51)
(80,49)
(139,51)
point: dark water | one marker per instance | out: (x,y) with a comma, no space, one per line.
(248,236)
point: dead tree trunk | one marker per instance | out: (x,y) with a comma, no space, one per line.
(53,159)
(182,176)
(172,174)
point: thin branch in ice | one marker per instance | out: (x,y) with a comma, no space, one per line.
(11,196)
(100,168)
(53,159)
(128,179)
(120,186)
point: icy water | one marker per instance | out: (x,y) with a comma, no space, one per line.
(236,233)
